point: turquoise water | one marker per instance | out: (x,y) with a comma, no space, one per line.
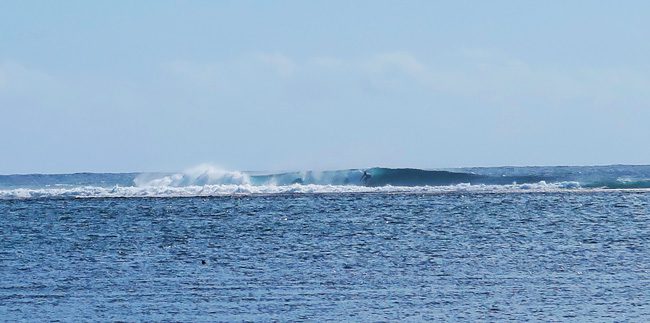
(574,254)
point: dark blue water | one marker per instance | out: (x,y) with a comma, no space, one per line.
(562,256)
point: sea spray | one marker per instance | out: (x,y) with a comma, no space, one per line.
(204,174)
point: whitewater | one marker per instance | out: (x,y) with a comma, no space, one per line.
(207,180)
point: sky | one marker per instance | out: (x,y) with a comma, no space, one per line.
(119,86)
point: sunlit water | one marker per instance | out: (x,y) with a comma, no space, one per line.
(362,257)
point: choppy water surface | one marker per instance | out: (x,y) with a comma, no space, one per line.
(364,257)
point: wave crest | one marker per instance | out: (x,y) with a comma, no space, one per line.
(204,174)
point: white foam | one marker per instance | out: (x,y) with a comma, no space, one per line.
(247,189)
(204,174)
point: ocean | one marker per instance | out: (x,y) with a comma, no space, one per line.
(377,244)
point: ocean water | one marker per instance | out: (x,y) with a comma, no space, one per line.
(547,244)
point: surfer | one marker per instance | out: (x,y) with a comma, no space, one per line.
(365,178)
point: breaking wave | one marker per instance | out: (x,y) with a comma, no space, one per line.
(208,180)
(372,177)
(199,175)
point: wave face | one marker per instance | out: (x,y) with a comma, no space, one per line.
(207,180)
(372,177)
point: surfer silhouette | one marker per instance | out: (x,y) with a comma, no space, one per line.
(365,178)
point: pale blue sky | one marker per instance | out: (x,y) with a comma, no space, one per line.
(269,85)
